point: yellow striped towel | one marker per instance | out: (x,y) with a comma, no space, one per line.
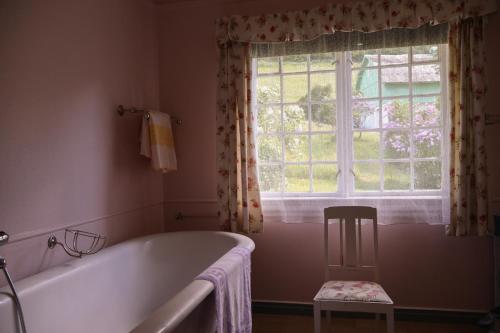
(157,141)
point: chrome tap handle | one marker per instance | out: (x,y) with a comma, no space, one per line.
(4,237)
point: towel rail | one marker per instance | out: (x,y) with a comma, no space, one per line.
(121,111)
(180,216)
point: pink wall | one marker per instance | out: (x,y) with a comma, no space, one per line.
(420,266)
(66,157)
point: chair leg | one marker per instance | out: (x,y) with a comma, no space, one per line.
(328,321)
(390,321)
(378,321)
(317,318)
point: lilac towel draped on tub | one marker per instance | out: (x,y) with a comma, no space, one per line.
(231,278)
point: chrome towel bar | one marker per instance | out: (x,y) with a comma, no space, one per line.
(121,111)
(180,216)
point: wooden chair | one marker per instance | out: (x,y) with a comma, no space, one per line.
(352,296)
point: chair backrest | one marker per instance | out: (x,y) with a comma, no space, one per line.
(351,255)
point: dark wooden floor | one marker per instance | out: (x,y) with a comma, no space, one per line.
(266,323)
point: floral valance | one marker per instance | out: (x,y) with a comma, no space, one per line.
(364,16)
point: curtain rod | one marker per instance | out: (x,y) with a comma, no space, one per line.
(121,111)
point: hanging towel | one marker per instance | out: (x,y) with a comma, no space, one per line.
(157,141)
(233,303)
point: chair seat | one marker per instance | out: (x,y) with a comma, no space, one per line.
(353,291)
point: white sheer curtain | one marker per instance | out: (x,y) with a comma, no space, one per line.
(430,209)
(391,210)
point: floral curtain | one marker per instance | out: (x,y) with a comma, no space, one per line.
(364,16)
(237,184)
(467,88)
(237,187)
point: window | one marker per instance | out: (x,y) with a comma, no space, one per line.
(348,124)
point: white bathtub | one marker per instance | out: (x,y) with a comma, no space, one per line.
(144,285)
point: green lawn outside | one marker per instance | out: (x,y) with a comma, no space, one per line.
(396,175)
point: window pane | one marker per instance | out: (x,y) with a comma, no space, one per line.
(268,89)
(396,144)
(322,61)
(323,116)
(296,178)
(324,177)
(426,79)
(295,88)
(364,58)
(395,81)
(425,53)
(394,56)
(428,175)
(268,65)
(270,178)
(295,118)
(396,113)
(296,148)
(427,143)
(295,63)
(269,119)
(426,111)
(366,145)
(365,114)
(269,148)
(397,176)
(367,176)
(365,83)
(324,147)
(322,87)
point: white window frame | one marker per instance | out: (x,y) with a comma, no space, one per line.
(344,129)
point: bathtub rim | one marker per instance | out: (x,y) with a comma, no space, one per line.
(25,284)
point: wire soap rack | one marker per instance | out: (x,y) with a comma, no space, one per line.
(93,242)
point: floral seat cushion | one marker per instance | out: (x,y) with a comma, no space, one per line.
(354,291)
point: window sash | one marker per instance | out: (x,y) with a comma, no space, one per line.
(344,130)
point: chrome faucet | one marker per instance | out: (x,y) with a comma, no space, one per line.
(4,238)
